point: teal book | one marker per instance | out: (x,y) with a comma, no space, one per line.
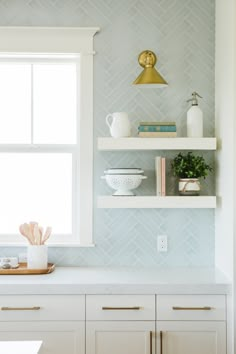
(157,128)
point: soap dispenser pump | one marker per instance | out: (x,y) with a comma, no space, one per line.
(194,118)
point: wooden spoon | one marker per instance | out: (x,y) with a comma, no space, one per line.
(28,232)
(31,230)
(37,235)
(23,233)
(41,234)
(46,235)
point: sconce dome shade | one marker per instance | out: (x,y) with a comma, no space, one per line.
(147,59)
(149,76)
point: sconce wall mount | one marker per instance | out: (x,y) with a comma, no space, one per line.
(147,59)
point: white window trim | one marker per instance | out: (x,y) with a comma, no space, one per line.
(67,40)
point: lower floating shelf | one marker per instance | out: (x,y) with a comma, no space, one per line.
(152,202)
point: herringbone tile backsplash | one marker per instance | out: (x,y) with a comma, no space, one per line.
(181,33)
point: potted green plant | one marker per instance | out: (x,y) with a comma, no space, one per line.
(189,168)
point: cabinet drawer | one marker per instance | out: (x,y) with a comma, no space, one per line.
(120,307)
(42,307)
(190,307)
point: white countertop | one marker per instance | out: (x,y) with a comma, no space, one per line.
(20,347)
(118,280)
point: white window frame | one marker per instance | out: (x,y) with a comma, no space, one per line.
(64,40)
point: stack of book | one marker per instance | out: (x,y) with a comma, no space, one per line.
(160,171)
(157,130)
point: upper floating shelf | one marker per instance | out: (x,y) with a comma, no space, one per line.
(110,144)
(152,202)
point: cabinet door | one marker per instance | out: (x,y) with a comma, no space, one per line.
(119,337)
(58,337)
(196,337)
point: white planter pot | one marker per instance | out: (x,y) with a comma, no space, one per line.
(189,186)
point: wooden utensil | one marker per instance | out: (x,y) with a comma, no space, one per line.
(28,231)
(24,233)
(46,235)
(37,237)
(41,234)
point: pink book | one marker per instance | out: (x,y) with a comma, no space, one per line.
(163,176)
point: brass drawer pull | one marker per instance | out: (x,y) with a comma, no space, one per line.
(161,344)
(150,342)
(20,308)
(121,308)
(205,308)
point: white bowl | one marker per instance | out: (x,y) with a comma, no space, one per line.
(123,184)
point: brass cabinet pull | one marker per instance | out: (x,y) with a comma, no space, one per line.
(160,342)
(150,342)
(20,308)
(205,308)
(121,308)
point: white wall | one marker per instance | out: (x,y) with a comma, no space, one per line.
(225,132)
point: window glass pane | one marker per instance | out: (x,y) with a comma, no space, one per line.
(54,107)
(15,103)
(36,187)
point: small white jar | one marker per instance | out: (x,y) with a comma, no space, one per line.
(37,257)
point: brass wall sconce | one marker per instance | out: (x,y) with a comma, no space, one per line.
(147,59)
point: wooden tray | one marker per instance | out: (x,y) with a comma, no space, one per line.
(22,269)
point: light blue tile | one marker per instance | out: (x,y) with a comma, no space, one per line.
(182,35)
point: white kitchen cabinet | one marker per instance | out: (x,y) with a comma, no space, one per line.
(56,320)
(120,324)
(42,307)
(120,307)
(120,337)
(195,337)
(193,324)
(58,337)
(191,308)
(185,324)
(116,324)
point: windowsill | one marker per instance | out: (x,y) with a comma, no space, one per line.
(51,245)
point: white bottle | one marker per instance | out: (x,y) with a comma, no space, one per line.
(194,118)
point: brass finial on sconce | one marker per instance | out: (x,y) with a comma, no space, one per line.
(147,59)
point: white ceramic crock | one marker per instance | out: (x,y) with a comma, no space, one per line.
(37,257)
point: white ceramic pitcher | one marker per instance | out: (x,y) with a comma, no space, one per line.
(119,124)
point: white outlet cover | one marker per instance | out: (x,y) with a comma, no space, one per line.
(162,243)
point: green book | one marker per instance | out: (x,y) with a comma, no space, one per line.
(157,128)
(157,123)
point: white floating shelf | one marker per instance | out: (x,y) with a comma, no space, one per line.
(171,202)
(110,144)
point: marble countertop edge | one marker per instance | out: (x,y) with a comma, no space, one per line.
(118,280)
